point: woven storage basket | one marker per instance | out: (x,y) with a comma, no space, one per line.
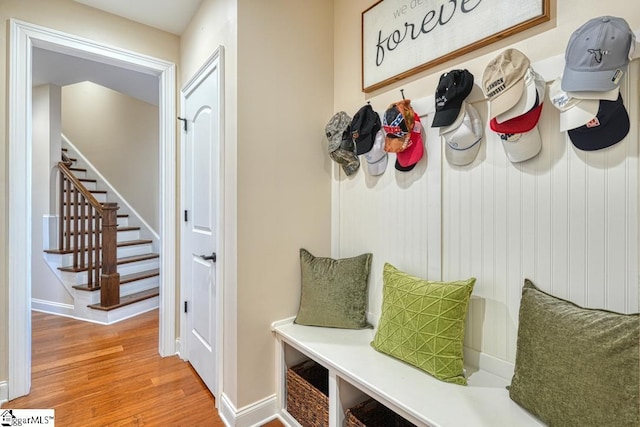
(307,391)
(371,413)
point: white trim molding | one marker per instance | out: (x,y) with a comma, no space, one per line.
(253,415)
(23,37)
(4,392)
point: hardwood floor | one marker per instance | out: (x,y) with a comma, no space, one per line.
(96,375)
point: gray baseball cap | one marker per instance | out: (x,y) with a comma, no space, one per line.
(598,55)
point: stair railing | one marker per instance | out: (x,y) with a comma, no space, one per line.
(87,229)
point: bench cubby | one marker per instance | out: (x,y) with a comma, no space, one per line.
(357,372)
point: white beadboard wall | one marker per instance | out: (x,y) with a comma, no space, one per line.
(567,220)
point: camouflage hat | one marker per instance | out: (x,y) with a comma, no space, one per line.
(336,128)
(342,149)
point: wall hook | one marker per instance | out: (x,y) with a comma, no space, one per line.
(402,93)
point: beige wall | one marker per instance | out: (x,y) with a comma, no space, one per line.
(67,16)
(118,134)
(278,97)
(284,102)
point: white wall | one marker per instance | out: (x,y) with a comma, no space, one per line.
(45,286)
(568,220)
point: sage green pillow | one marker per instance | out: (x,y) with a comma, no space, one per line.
(576,366)
(422,323)
(334,291)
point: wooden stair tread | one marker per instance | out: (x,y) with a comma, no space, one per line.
(123,279)
(119,261)
(78,169)
(119,244)
(128,228)
(129,299)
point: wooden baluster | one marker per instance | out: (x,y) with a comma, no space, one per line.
(110,280)
(97,249)
(61,212)
(67,221)
(83,236)
(90,236)
(76,236)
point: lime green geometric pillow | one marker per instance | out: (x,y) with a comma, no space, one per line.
(576,366)
(334,291)
(422,323)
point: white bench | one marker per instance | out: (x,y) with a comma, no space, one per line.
(356,370)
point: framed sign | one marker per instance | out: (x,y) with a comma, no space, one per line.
(403,37)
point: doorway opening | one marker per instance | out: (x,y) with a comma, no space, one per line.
(23,38)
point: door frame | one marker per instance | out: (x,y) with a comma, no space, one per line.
(216,60)
(23,36)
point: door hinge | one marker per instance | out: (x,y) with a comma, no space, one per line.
(184,122)
(186,216)
(185,306)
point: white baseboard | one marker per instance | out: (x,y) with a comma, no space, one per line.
(499,367)
(52,307)
(253,415)
(4,392)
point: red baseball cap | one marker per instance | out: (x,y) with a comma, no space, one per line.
(414,152)
(520,124)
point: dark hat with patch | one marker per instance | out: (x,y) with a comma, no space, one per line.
(364,127)
(608,127)
(454,87)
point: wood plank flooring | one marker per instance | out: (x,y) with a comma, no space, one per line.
(96,375)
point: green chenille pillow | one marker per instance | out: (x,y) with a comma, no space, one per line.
(576,366)
(422,323)
(334,291)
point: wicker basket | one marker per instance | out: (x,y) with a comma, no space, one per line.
(371,413)
(307,391)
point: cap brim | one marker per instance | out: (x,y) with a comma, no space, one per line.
(504,101)
(607,134)
(592,81)
(404,168)
(523,146)
(378,167)
(581,113)
(526,102)
(462,157)
(446,116)
(365,144)
(520,124)
(609,95)
(456,123)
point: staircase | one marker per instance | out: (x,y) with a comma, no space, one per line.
(133,279)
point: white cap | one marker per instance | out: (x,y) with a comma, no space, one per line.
(463,142)
(521,146)
(528,100)
(574,112)
(377,158)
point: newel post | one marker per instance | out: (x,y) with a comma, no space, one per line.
(110,279)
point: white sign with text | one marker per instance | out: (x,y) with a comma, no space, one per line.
(399,36)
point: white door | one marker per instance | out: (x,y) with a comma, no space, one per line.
(201,109)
